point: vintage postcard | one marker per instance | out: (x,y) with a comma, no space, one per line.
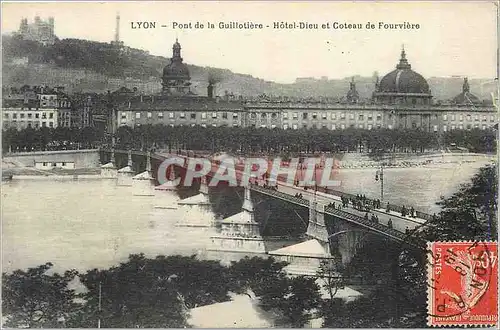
(247,164)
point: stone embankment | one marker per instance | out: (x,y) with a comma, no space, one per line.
(402,161)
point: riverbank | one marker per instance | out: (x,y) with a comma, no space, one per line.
(355,161)
(30,173)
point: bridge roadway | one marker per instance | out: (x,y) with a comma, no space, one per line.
(287,192)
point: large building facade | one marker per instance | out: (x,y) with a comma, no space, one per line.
(40,30)
(402,99)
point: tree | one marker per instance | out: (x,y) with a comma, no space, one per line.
(470,213)
(292,300)
(133,294)
(35,299)
(256,273)
(330,274)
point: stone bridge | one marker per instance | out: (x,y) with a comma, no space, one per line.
(338,229)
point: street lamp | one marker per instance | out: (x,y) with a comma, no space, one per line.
(379,175)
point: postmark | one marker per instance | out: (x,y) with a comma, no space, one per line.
(462,282)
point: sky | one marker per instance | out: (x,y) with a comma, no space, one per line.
(454,38)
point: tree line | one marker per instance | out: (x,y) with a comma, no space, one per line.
(254,140)
(160,291)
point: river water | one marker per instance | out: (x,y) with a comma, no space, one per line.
(93,223)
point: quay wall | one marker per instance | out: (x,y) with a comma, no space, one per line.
(88,158)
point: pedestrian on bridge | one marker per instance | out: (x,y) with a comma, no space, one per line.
(388,208)
(389,223)
(366,216)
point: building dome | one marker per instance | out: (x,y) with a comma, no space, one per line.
(403,81)
(466,97)
(176,70)
(176,78)
(403,84)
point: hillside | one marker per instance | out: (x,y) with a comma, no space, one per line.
(82,65)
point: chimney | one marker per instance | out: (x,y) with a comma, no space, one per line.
(210,91)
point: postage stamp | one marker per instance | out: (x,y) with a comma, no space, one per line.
(462,282)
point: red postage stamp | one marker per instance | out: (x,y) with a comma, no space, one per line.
(462,282)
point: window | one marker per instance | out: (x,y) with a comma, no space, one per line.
(323,115)
(414,125)
(14,115)
(51,115)
(468,117)
(370,116)
(469,126)
(315,115)
(214,125)
(137,115)
(361,117)
(342,115)
(476,117)
(413,101)
(361,126)
(445,128)
(6,115)
(203,125)
(160,114)
(124,115)
(379,116)
(272,126)
(285,126)
(483,127)
(445,117)
(263,115)
(461,118)
(452,117)
(492,118)
(182,115)
(342,126)
(334,116)
(304,115)
(294,126)
(214,115)
(370,126)
(435,128)
(461,126)
(203,115)
(235,115)
(21,115)
(484,118)
(150,115)
(37,125)
(389,126)
(193,115)
(51,124)
(333,126)
(44,124)
(285,115)
(453,127)
(224,115)
(295,115)
(351,116)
